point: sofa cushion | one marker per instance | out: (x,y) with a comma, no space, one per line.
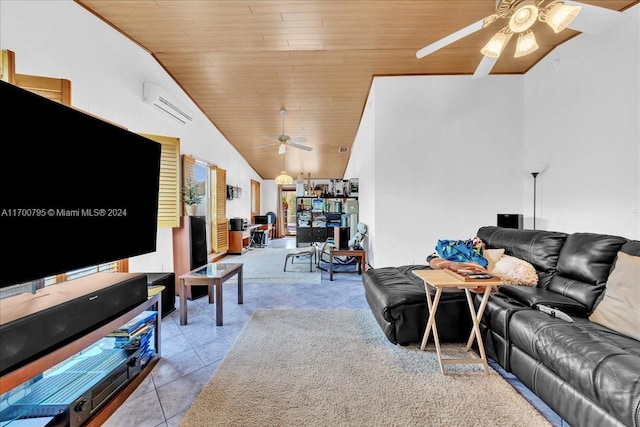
(492,256)
(583,266)
(600,363)
(620,307)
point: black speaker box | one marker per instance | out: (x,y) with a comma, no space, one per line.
(510,221)
(35,324)
(198,253)
(168,280)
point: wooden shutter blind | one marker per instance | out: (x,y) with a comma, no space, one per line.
(219,209)
(169,191)
(8,66)
(58,90)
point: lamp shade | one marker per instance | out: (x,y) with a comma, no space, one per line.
(559,16)
(283,179)
(496,45)
(526,44)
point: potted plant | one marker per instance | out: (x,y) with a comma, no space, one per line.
(191,196)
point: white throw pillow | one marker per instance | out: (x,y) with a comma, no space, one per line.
(515,271)
(492,256)
(619,309)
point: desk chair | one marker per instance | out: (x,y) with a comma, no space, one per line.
(257,239)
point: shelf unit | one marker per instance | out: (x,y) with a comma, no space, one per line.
(317,217)
(34,370)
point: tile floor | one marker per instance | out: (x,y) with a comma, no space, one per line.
(191,353)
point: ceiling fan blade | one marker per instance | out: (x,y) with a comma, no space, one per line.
(302,147)
(272,138)
(453,37)
(485,66)
(265,145)
(298,139)
(282,148)
(593,20)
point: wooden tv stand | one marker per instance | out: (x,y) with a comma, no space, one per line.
(33,369)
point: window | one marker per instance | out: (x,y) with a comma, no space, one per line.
(214,203)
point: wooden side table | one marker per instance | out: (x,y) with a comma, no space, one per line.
(211,275)
(440,280)
(360,254)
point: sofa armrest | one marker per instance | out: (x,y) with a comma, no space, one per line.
(531,296)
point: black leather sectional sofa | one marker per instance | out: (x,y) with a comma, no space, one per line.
(587,373)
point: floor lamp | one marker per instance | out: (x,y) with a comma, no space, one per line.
(535,175)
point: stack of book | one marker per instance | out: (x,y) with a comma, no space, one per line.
(137,334)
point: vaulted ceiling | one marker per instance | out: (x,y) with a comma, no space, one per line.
(242,61)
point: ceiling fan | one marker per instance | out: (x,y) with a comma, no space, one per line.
(519,16)
(283,139)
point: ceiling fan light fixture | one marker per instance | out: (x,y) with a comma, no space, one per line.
(526,44)
(282,148)
(284,179)
(523,17)
(559,15)
(496,45)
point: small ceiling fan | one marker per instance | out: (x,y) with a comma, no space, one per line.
(520,17)
(283,139)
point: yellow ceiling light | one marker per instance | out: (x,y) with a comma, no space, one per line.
(283,178)
(559,15)
(526,44)
(524,16)
(496,45)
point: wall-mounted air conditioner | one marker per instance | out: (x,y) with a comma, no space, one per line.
(154,95)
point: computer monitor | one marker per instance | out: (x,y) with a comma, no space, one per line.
(261,219)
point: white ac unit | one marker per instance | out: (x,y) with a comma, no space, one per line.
(154,95)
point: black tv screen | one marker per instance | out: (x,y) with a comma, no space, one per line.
(76,191)
(261,219)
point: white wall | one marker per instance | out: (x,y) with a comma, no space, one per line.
(447,155)
(61,39)
(452,152)
(582,122)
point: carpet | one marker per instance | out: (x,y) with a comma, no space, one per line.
(336,368)
(265,266)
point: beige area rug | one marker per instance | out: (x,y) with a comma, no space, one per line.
(266,266)
(336,368)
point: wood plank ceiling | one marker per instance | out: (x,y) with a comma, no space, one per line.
(241,61)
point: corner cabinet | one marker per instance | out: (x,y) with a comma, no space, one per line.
(83,382)
(317,217)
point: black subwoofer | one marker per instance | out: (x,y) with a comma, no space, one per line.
(198,251)
(36,324)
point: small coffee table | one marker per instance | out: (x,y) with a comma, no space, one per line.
(440,280)
(211,275)
(359,254)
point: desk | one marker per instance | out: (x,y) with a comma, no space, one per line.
(440,279)
(211,275)
(239,240)
(360,254)
(269,229)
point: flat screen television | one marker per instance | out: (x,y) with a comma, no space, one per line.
(76,191)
